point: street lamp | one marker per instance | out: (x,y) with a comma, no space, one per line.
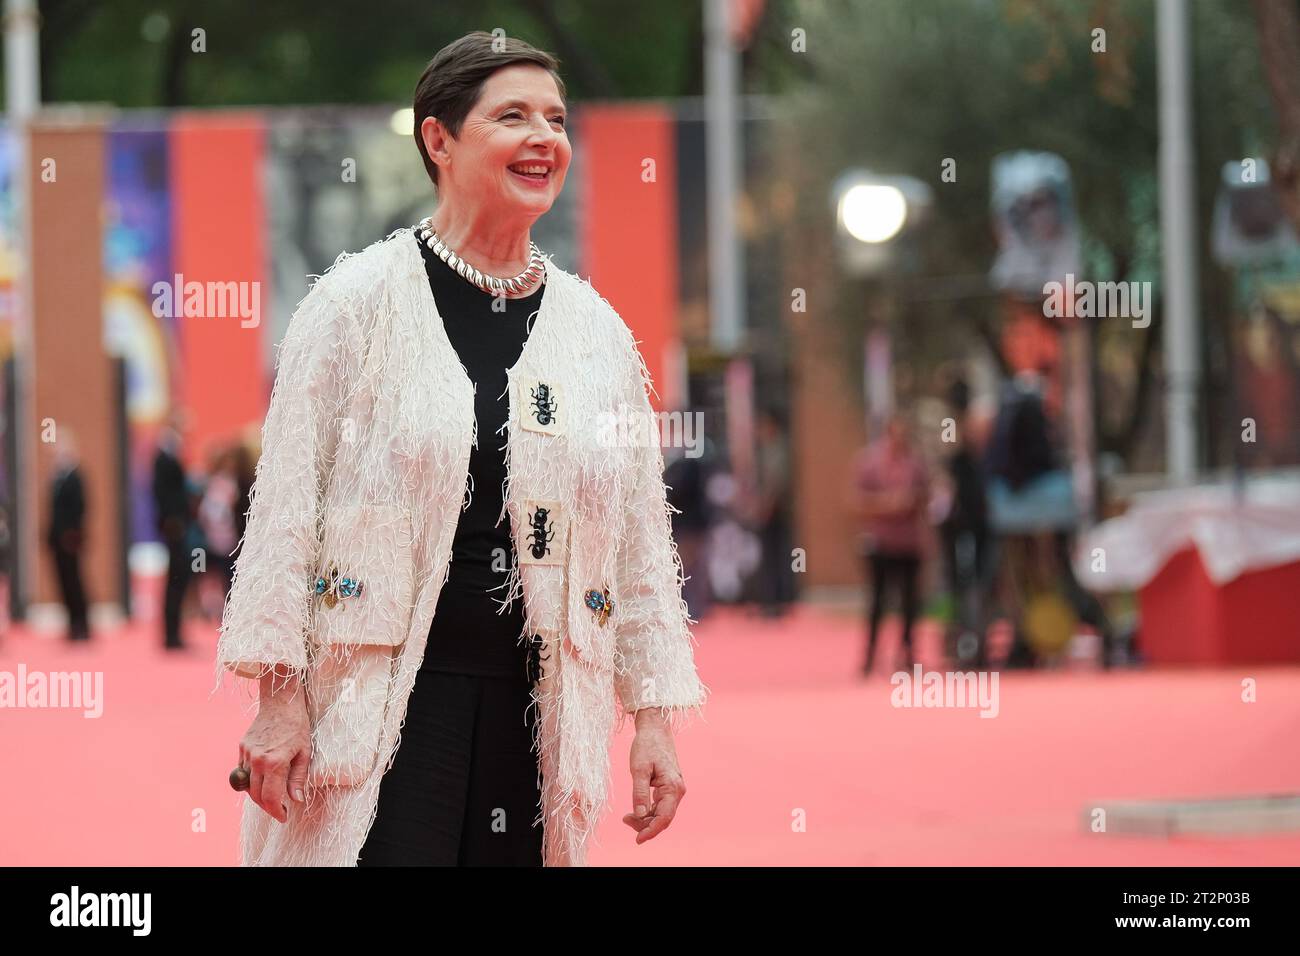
(876,220)
(874,214)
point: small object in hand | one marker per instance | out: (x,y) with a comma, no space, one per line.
(239,778)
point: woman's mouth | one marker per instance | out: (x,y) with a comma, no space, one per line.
(535,174)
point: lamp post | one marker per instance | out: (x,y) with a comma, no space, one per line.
(877,217)
(1182,333)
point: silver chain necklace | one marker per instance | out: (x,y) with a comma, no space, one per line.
(490,284)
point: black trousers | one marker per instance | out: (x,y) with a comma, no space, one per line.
(776,578)
(463,788)
(67,566)
(179,573)
(902,570)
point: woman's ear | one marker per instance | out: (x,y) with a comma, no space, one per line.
(435,140)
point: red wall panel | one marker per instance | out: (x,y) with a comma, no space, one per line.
(629,226)
(219,234)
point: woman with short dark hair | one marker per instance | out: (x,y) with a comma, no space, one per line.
(437,447)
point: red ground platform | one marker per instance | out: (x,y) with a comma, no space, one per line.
(792,733)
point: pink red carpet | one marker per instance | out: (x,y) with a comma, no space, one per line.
(801,760)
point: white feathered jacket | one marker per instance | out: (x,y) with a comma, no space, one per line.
(363,474)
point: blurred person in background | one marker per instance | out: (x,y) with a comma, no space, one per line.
(770,514)
(218,507)
(734,554)
(891,489)
(686,476)
(1034,514)
(965,532)
(1023,446)
(174,513)
(67,532)
(244,468)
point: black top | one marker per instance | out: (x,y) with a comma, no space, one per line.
(468,635)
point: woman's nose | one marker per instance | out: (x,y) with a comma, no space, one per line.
(541,131)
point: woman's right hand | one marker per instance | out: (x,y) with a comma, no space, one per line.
(276,749)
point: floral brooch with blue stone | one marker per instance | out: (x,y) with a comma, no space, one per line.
(601,604)
(333,590)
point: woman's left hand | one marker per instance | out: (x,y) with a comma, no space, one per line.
(654,765)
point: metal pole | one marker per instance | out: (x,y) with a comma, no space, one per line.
(1178,242)
(721,79)
(23,97)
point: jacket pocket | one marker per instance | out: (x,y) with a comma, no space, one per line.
(362,602)
(592,606)
(347,699)
(364,591)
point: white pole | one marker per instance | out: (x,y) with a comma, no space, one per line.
(22,59)
(1178,242)
(721,79)
(23,97)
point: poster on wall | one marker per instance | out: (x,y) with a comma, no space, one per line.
(137,254)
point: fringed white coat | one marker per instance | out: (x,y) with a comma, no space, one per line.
(363,474)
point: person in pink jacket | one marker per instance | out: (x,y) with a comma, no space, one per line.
(893,490)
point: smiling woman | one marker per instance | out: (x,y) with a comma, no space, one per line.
(392,529)
(493,141)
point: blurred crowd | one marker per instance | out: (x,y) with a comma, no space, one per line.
(974,530)
(998,513)
(199,518)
